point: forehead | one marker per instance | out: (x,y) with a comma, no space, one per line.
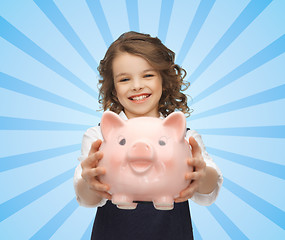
(129,63)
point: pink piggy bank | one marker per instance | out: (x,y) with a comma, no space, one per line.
(145,159)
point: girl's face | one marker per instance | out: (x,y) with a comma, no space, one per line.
(138,85)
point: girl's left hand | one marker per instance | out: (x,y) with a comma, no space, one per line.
(195,177)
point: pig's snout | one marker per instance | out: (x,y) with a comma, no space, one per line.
(141,150)
(140,157)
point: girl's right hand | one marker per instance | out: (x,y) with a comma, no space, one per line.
(91,171)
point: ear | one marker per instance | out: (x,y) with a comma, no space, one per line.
(177,122)
(110,121)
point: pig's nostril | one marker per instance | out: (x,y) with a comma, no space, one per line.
(140,149)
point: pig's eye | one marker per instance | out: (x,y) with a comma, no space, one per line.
(122,141)
(162,141)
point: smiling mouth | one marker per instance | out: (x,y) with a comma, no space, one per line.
(140,165)
(139,97)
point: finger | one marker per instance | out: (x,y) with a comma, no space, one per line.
(105,195)
(201,164)
(100,187)
(196,150)
(90,174)
(196,162)
(98,171)
(92,160)
(179,200)
(194,175)
(95,147)
(189,192)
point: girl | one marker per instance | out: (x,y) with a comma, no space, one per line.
(139,78)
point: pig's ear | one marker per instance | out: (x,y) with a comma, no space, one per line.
(109,122)
(177,122)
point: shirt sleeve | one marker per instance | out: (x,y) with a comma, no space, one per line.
(199,198)
(91,135)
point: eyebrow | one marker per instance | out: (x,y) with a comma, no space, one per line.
(120,74)
(149,70)
(144,71)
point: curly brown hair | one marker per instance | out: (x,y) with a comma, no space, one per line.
(160,58)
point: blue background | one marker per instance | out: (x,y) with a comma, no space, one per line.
(233,52)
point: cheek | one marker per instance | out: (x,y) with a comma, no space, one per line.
(117,156)
(165,155)
(158,87)
(121,92)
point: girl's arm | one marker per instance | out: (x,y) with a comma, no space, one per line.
(89,190)
(206,179)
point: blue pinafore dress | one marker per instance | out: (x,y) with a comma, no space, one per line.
(142,223)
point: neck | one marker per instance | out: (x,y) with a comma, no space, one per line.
(132,115)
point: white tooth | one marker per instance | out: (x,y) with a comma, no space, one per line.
(139,97)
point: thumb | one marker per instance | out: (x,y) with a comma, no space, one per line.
(95,147)
(196,150)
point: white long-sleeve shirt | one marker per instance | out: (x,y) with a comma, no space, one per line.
(94,133)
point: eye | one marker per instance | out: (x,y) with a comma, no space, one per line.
(124,80)
(162,141)
(122,141)
(148,75)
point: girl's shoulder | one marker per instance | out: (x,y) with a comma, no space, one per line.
(93,132)
(190,133)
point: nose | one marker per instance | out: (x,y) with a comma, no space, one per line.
(137,84)
(141,150)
